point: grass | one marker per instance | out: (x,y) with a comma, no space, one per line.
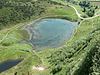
(11,48)
(18,50)
(76,6)
(96,3)
(82,32)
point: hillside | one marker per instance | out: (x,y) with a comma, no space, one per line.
(23,10)
(78,56)
(15,11)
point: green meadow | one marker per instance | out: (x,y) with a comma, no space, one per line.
(69,59)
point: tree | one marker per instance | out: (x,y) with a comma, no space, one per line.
(90,13)
(84,9)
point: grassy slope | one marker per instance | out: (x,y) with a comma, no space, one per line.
(82,33)
(10,48)
(14,51)
(76,6)
(79,8)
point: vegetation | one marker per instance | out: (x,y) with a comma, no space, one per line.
(80,55)
(62,61)
(88,8)
(16,11)
(11,46)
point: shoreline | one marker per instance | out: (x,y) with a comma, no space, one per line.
(44,48)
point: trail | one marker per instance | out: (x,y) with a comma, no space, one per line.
(8,33)
(34,52)
(79,15)
(4,37)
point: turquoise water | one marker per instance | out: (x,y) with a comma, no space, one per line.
(50,33)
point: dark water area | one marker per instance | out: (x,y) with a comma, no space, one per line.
(8,64)
(50,33)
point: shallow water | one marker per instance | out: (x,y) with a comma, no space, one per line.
(8,64)
(50,33)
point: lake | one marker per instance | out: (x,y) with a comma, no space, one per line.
(49,33)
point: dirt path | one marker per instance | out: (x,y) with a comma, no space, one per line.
(13,28)
(79,15)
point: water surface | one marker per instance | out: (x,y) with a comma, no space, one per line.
(8,64)
(50,33)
